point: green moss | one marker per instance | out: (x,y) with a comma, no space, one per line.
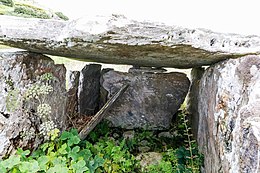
(9,3)
(61,16)
(30,11)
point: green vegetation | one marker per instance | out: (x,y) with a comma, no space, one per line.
(107,151)
(9,3)
(27,9)
(62,16)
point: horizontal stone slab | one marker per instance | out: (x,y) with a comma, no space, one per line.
(118,40)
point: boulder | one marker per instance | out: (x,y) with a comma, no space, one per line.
(117,40)
(89,89)
(229,116)
(150,101)
(33,100)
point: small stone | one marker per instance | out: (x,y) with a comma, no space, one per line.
(144,149)
(130,134)
(166,135)
(149,158)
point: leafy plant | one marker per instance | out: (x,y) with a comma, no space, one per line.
(192,159)
(102,153)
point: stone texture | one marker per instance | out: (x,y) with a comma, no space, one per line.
(20,123)
(117,40)
(89,89)
(149,158)
(229,116)
(150,101)
(192,98)
(72,78)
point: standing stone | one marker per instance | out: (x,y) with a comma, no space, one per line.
(229,116)
(192,98)
(33,99)
(72,88)
(150,101)
(89,89)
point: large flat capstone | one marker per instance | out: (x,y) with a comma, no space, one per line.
(150,101)
(228,106)
(117,40)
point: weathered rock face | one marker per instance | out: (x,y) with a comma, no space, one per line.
(33,99)
(117,40)
(150,101)
(88,92)
(192,98)
(72,77)
(229,116)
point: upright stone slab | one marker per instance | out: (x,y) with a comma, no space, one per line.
(88,92)
(192,98)
(229,116)
(33,99)
(150,101)
(72,78)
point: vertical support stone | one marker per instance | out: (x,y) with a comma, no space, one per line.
(150,101)
(192,98)
(229,116)
(72,89)
(89,89)
(33,99)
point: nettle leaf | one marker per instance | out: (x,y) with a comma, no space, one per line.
(63,149)
(11,161)
(22,153)
(85,154)
(31,166)
(73,140)
(94,164)
(43,160)
(44,146)
(60,161)
(74,153)
(65,135)
(71,137)
(74,132)
(58,169)
(2,168)
(79,167)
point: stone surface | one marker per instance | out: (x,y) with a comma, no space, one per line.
(192,98)
(150,101)
(229,116)
(72,78)
(21,121)
(149,158)
(117,40)
(89,89)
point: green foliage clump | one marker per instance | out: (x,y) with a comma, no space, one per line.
(105,152)
(24,9)
(30,11)
(9,3)
(61,16)
(68,154)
